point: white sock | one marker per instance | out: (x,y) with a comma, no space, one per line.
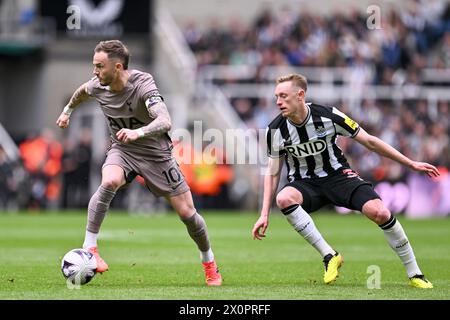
(304,225)
(207,256)
(90,240)
(398,241)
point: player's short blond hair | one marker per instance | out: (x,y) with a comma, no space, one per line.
(297,80)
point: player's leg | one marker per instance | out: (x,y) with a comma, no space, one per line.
(197,229)
(112,179)
(291,201)
(164,178)
(376,211)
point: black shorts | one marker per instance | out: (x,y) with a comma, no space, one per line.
(344,188)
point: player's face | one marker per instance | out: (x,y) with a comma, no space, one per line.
(104,68)
(288,98)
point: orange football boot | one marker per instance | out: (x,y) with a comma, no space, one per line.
(212,275)
(102,266)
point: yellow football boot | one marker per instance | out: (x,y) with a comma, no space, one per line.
(419,281)
(332,265)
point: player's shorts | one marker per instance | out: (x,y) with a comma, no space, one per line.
(162,178)
(344,188)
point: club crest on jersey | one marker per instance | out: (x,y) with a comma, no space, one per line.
(309,148)
(129,106)
(321,132)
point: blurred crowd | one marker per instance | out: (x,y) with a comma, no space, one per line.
(55,174)
(408,39)
(396,54)
(48,174)
(410,128)
(51,174)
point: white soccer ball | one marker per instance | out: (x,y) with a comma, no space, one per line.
(79,266)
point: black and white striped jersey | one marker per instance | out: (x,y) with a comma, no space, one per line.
(310,148)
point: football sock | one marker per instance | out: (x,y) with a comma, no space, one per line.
(90,240)
(398,241)
(207,256)
(196,228)
(98,205)
(304,225)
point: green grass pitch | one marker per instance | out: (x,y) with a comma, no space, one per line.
(152,257)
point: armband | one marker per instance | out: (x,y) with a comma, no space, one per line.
(153,100)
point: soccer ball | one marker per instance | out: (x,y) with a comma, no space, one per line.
(79,266)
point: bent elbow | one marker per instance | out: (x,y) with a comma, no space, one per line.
(168,125)
(372,143)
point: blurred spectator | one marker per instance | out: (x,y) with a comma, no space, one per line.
(76,166)
(392,132)
(444,115)
(443,52)
(437,144)
(416,141)
(244,108)
(263,114)
(207,174)
(41,156)
(7,183)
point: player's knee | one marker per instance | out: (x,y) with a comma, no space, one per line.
(383,215)
(285,200)
(185,210)
(111,184)
(380,215)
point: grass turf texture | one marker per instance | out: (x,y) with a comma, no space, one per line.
(154,258)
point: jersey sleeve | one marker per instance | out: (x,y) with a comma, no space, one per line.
(91,84)
(345,125)
(275,147)
(149,92)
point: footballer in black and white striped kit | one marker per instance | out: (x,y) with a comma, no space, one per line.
(310,147)
(303,136)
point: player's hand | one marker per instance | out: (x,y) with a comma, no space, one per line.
(429,169)
(260,227)
(127,135)
(63,120)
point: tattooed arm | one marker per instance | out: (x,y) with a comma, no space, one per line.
(80,95)
(160,124)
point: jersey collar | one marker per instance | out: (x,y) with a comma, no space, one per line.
(129,85)
(306,119)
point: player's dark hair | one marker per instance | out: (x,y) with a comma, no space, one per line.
(297,79)
(114,49)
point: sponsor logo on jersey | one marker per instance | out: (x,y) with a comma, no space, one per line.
(307,149)
(129,123)
(351,123)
